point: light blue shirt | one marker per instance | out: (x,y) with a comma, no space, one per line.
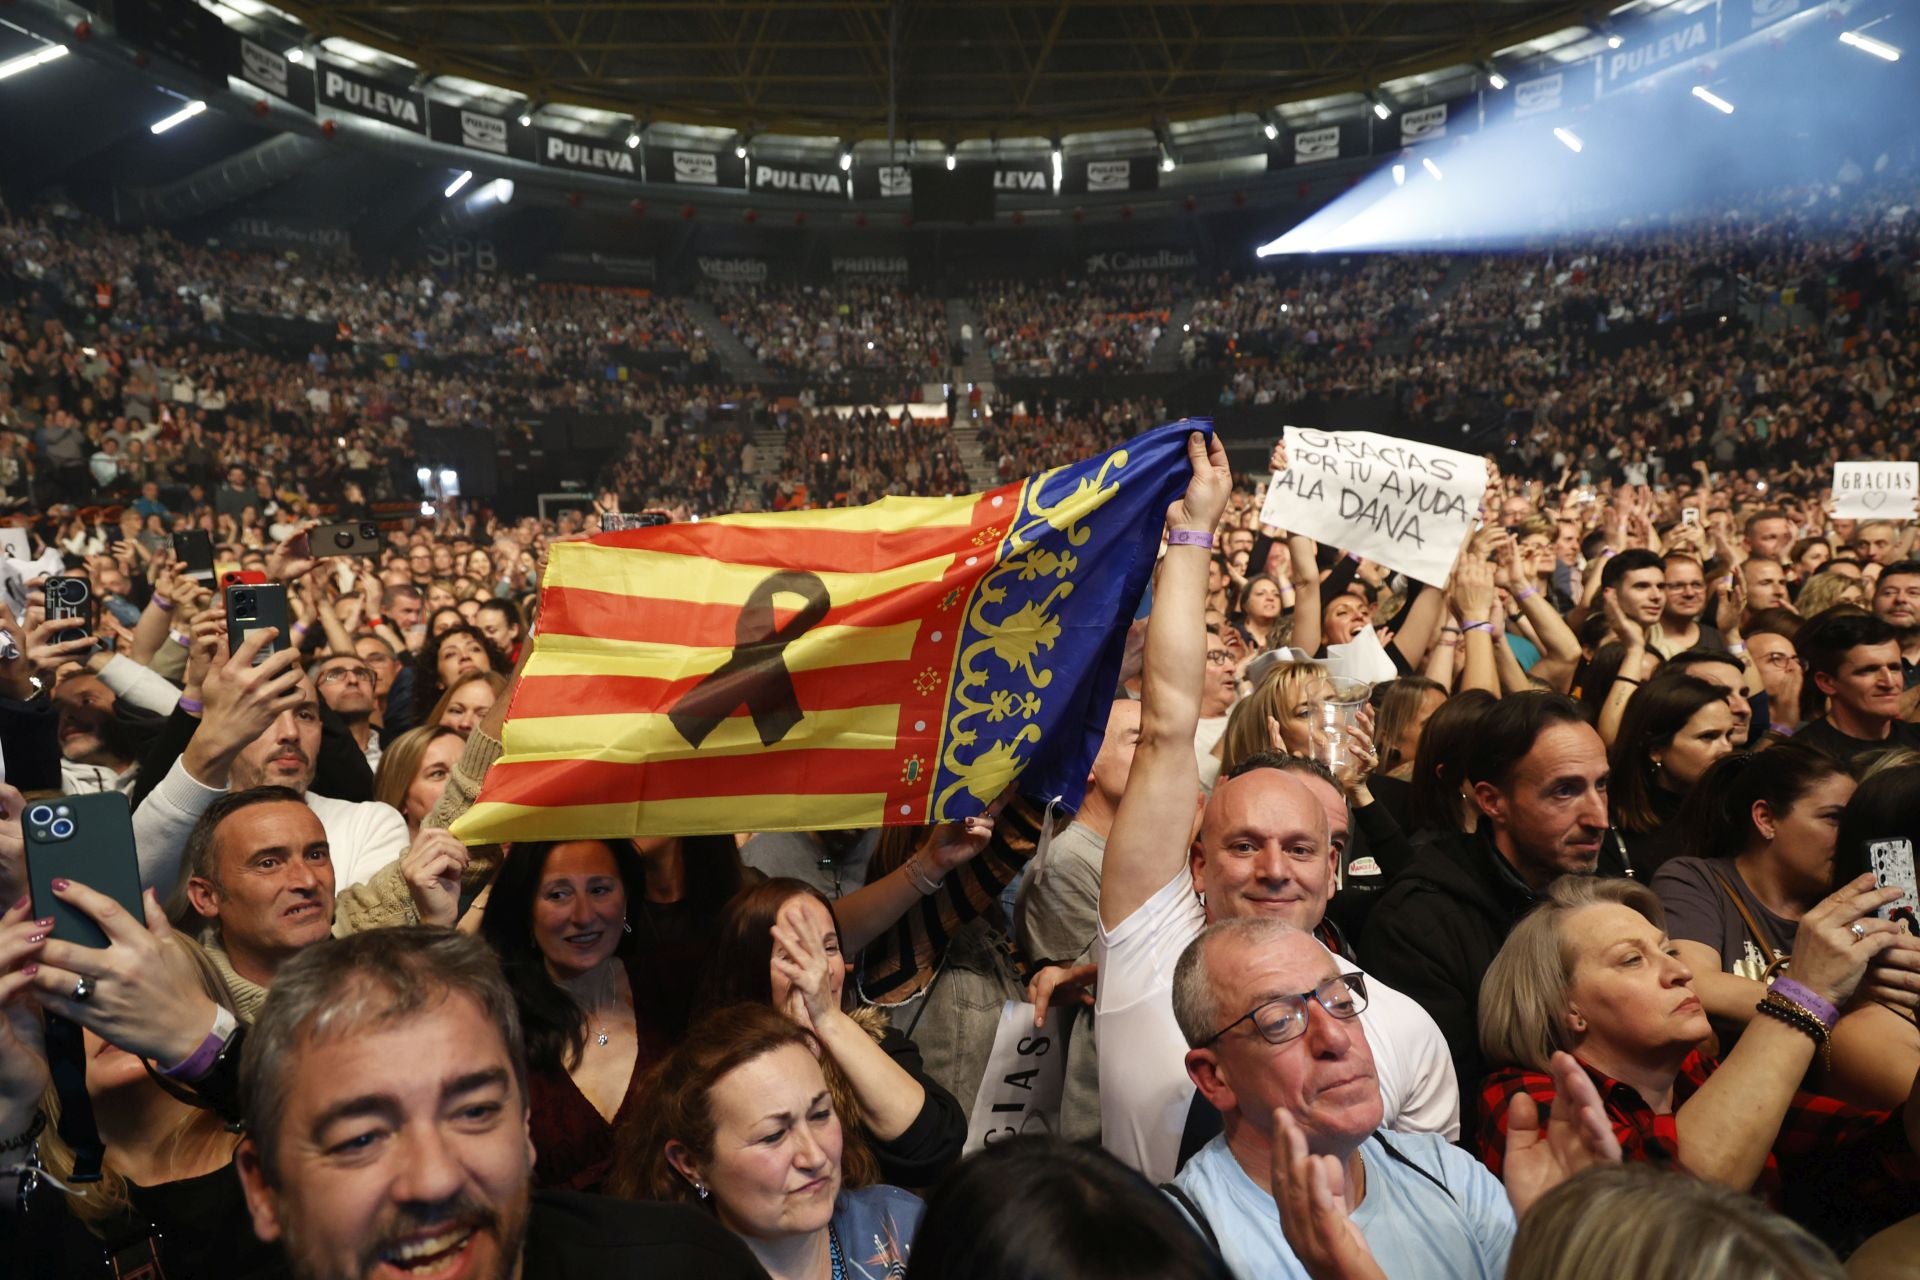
(1416,1230)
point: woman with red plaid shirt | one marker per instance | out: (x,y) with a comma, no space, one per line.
(1592,972)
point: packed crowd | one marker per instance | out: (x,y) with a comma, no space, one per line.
(825,334)
(1559,952)
(1535,901)
(1101,324)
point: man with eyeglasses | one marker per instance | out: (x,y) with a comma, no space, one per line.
(346,685)
(1262,848)
(1896,601)
(1217,696)
(1680,628)
(1277,1044)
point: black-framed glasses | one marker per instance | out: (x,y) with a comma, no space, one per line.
(1219,658)
(1284,1018)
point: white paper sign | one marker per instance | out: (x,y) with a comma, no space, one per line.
(1876,490)
(1362,658)
(1026,1072)
(1407,506)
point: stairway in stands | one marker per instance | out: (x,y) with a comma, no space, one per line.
(734,358)
(1166,352)
(977,368)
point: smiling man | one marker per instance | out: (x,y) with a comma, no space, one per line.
(385,1096)
(1854,658)
(1539,780)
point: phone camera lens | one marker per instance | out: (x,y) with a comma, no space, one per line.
(61,828)
(73,591)
(369,531)
(243,601)
(342,539)
(40,815)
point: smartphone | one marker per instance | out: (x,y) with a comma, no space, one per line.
(1891,861)
(70,598)
(89,840)
(614,520)
(1690,515)
(353,538)
(252,607)
(236,577)
(194,550)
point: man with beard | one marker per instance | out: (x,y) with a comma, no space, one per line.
(260,727)
(95,752)
(1896,601)
(385,1095)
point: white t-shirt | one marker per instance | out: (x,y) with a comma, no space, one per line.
(1415,1229)
(1144,1089)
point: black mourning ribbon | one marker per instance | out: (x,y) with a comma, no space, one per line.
(755,673)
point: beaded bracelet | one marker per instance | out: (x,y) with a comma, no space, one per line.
(1784,1010)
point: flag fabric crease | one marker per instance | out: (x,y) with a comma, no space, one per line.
(897,663)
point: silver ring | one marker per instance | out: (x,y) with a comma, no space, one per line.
(83,988)
(1859,931)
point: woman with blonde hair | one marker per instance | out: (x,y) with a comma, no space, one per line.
(1273,716)
(1824,591)
(414,770)
(1631,1220)
(466,702)
(1591,972)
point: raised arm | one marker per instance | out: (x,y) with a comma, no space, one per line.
(1305,553)
(1148,844)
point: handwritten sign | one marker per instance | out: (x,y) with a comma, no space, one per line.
(1026,1072)
(1876,490)
(1407,506)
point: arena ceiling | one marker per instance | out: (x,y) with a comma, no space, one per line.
(935,69)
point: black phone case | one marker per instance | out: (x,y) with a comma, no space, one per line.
(89,840)
(251,607)
(194,550)
(351,538)
(57,589)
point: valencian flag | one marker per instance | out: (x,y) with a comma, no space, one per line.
(889,664)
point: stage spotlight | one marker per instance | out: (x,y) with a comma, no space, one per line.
(453,188)
(1381,109)
(846,159)
(1713,99)
(633,139)
(181,116)
(1867,44)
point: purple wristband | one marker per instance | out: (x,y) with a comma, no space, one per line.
(1189,538)
(192,706)
(1526,593)
(1478,626)
(1806,999)
(201,1060)
(161,603)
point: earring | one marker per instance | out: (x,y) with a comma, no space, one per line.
(1579,1024)
(626,925)
(1656,766)
(700,1189)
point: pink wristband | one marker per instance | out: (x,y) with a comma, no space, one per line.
(1189,538)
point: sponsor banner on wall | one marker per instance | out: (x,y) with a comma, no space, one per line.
(882,181)
(1023,178)
(1653,47)
(1313,145)
(1444,120)
(343,90)
(1347,140)
(792,178)
(1544,92)
(1097,177)
(690,167)
(586,153)
(281,231)
(1758,14)
(479,131)
(732,270)
(262,68)
(869,264)
(1097,264)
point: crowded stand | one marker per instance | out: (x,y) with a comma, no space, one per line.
(822,333)
(1105,324)
(1575,928)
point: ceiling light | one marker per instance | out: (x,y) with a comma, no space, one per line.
(1272,131)
(453,188)
(846,159)
(633,139)
(1713,99)
(1615,41)
(1380,107)
(1495,80)
(181,116)
(952,160)
(1867,44)
(27,62)
(1399,176)
(1431,167)
(1570,140)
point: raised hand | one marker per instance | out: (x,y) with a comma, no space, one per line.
(1207,493)
(1310,1192)
(800,957)
(432,867)
(1061,984)
(1840,937)
(1577,1135)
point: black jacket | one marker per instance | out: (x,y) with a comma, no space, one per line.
(1433,934)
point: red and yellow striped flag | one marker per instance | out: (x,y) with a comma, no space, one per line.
(895,663)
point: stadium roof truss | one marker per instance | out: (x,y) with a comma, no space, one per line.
(936,70)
